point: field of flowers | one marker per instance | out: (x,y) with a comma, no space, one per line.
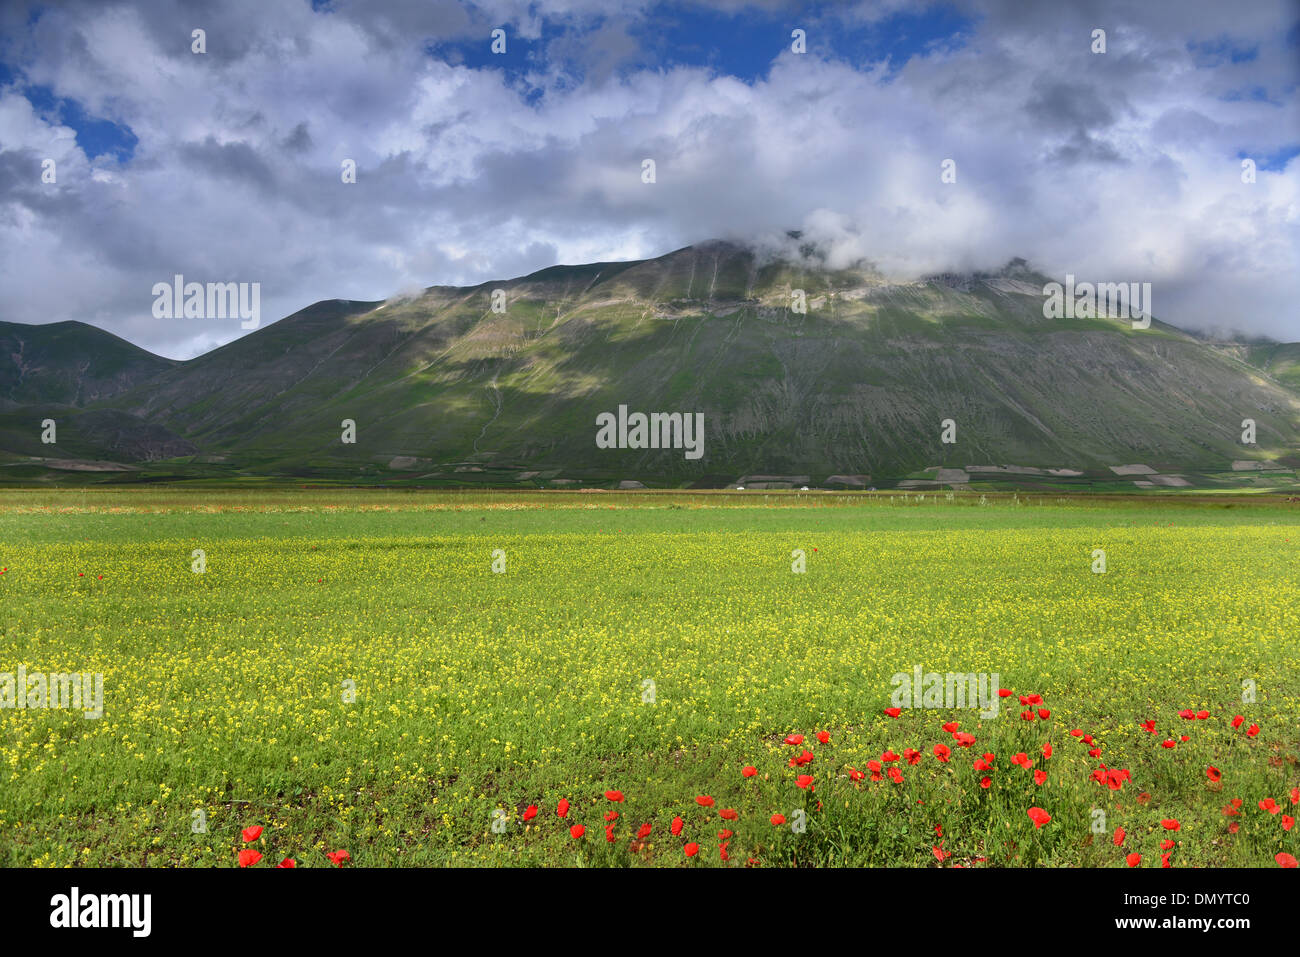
(380,679)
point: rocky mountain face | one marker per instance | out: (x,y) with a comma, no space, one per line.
(799,371)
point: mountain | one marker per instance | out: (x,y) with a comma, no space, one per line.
(443,388)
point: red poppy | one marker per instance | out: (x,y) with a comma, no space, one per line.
(614,795)
(728,814)
(1285,860)
(1027,714)
(794,739)
(1149,726)
(339,856)
(1295,795)
(1288,822)
(1168,743)
(748,771)
(1005,692)
(609,833)
(1076,733)
(951,726)
(942,751)
(676,826)
(778,820)
(986,783)
(824,737)
(940,853)
(1187,714)
(1022,760)
(1269,805)
(644,831)
(704,801)
(1252,731)
(912,756)
(889,756)
(1133,860)
(251,834)
(1164,861)
(530,812)
(577,831)
(611,815)
(1040,777)
(287,862)
(804,780)
(1236,721)
(893,712)
(1170,824)
(1202,715)
(896,775)
(1047,749)
(1118,837)
(855,774)
(1213,773)
(248,857)
(563,809)
(691,849)
(964,739)
(1038,816)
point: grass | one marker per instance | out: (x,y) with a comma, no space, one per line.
(481,692)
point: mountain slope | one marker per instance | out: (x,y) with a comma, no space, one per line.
(860,384)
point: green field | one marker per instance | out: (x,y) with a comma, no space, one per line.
(479,692)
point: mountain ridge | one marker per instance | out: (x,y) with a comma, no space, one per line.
(858,385)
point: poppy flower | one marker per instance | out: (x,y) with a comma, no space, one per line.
(577,831)
(951,726)
(609,833)
(942,751)
(1027,714)
(1047,749)
(964,739)
(981,764)
(1187,714)
(1038,816)
(803,780)
(1021,759)
(338,857)
(986,783)
(1269,805)
(911,756)
(248,857)
(1285,860)
(1236,721)
(1149,726)
(893,712)
(855,774)
(1168,743)
(563,809)
(1133,860)
(728,814)
(1252,731)
(1295,795)
(611,815)
(1087,739)
(1005,692)
(1164,861)
(940,853)
(691,849)
(896,775)
(530,812)
(778,820)
(1040,777)
(722,851)
(614,795)
(724,834)
(1118,837)
(889,756)
(1094,752)
(748,771)
(1213,773)
(1144,797)
(643,832)
(794,739)
(824,737)
(1076,733)
(676,826)
(1170,824)
(251,834)
(1202,715)
(1166,845)
(287,862)
(704,801)
(1044,714)
(1288,822)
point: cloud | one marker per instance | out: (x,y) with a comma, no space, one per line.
(1122,166)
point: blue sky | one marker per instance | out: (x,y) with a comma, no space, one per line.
(473,165)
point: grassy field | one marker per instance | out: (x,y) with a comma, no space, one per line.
(653,646)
